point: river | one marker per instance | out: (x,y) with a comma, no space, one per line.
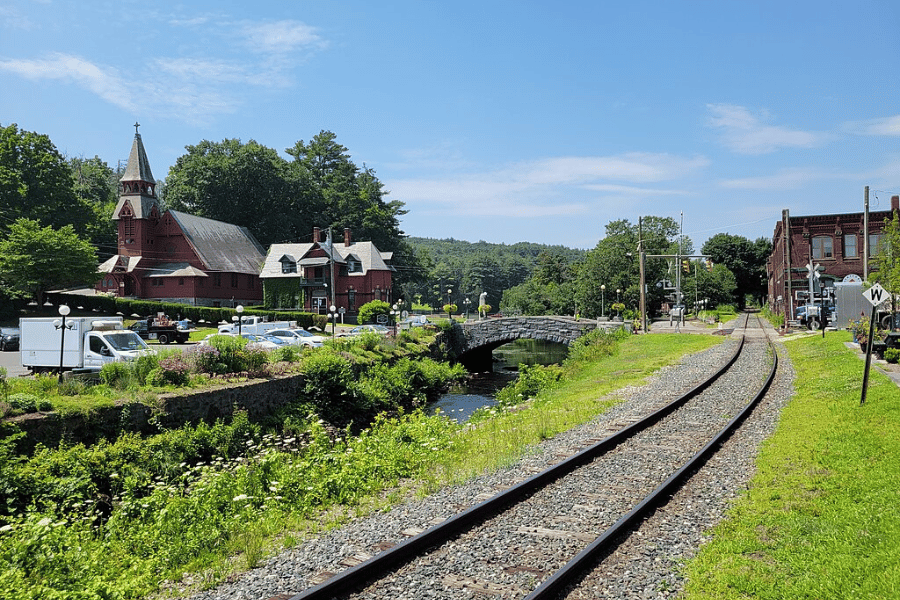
(479,389)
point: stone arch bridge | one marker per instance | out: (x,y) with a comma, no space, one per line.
(472,342)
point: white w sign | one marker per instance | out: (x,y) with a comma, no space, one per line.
(876,295)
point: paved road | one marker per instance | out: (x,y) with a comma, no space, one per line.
(12,362)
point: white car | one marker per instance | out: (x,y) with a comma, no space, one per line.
(297,337)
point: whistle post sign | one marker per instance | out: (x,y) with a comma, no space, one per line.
(876,294)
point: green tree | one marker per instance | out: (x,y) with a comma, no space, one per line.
(886,262)
(615,263)
(746,259)
(244,184)
(34,259)
(96,186)
(345,196)
(36,183)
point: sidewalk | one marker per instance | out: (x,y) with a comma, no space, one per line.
(892,371)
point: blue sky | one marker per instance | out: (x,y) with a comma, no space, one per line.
(497,121)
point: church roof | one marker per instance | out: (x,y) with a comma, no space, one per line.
(138,168)
(221,246)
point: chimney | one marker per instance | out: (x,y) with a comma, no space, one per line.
(316,239)
(895,203)
(347,241)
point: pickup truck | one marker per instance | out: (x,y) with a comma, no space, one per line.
(161,329)
(255,325)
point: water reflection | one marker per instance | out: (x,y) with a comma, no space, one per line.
(479,389)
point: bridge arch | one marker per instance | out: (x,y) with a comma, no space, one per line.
(475,340)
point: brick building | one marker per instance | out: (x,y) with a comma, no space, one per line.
(840,245)
(172,256)
(314,276)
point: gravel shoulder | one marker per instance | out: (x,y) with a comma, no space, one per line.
(650,557)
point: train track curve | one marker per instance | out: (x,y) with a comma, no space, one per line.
(543,533)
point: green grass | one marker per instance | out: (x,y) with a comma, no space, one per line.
(586,391)
(820,519)
(216,499)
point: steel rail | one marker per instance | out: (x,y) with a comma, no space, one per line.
(609,539)
(357,576)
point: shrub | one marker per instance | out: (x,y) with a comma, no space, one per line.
(329,384)
(24,402)
(532,380)
(892,355)
(368,340)
(205,359)
(115,374)
(369,311)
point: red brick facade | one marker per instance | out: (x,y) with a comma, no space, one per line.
(837,243)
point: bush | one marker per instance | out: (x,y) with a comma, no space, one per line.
(892,355)
(329,384)
(368,340)
(369,311)
(24,402)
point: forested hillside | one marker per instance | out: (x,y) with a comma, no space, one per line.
(470,268)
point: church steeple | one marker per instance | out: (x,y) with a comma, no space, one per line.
(137,178)
(137,188)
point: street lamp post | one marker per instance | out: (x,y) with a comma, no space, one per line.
(239,309)
(62,326)
(395,315)
(333,315)
(602,299)
(467,302)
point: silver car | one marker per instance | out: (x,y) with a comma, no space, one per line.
(297,337)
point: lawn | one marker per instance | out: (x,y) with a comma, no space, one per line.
(820,518)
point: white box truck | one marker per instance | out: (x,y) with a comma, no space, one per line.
(86,344)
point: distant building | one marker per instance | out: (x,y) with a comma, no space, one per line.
(314,276)
(839,244)
(172,256)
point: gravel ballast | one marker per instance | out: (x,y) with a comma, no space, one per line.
(644,566)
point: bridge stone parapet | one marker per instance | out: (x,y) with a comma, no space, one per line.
(475,340)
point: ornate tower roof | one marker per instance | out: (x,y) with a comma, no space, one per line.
(137,189)
(138,168)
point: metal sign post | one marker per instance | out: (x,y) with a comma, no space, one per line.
(875,295)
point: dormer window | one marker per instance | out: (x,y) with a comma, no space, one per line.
(288,264)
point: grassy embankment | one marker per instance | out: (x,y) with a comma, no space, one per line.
(193,505)
(820,519)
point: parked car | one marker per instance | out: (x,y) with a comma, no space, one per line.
(379,329)
(9,339)
(415,321)
(298,337)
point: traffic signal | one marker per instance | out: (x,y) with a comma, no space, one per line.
(686,265)
(709,265)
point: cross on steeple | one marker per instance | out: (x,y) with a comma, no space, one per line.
(136,125)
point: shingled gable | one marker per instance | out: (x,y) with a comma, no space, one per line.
(221,246)
(361,273)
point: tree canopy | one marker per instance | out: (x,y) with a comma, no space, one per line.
(34,259)
(746,259)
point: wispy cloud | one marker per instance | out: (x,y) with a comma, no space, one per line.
(283,37)
(14,18)
(567,186)
(104,82)
(746,133)
(191,88)
(883,126)
(785,179)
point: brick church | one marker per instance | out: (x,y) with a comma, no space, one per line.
(171,256)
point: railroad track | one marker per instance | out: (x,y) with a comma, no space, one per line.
(535,539)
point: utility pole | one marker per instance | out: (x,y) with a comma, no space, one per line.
(643,285)
(866,235)
(331,267)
